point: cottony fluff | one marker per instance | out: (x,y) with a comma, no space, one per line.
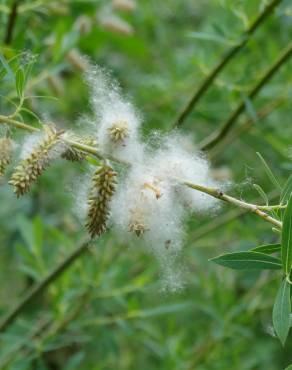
(150,203)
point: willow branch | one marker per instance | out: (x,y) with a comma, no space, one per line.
(42,285)
(216,193)
(210,191)
(85,148)
(268,109)
(11,22)
(217,136)
(224,61)
(78,252)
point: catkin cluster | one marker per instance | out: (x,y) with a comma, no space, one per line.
(102,190)
(74,154)
(149,203)
(30,168)
(6,149)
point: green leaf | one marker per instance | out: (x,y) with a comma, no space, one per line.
(19,82)
(269,172)
(289,367)
(211,37)
(261,193)
(267,249)
(287,238)
(248,261)
(287,191)
(250,110)
(6,65)
(281,311)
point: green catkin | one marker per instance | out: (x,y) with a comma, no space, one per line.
(103,188)
(30,168)
(77,155)
(118,132)
(6,148)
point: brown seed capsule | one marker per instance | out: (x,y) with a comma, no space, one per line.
(77,155)
(115,24)
(30,168)
(137,224)
(124,5)
(137,228)
(103,188)
(6,148)
(119,132)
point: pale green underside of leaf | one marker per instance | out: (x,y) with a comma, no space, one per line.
(267,249)
(269,172)
(287,238)
(248,261)
(287,191)
(281,311)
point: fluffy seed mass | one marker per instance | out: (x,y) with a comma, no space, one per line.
(118,121)
(151,203)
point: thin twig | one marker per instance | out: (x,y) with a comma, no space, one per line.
(268,109)
(217,136)
(216,193)
(213,192)
(35,332)
(225,218)
(224,61)
(11,22)
(85,148)
(42,285)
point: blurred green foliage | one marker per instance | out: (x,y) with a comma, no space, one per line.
(107,310)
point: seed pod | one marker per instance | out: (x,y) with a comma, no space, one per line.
(103,188)
(119,132)
(6,148)
(30,168)
(124,5)
(115,24)
(77,155)
(77,61)
(137,227)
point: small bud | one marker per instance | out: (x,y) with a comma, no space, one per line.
(118,132)
(77,155)
(6,148)
(114,23)
(83,25)
(56,84)
(103,188)
(153,188)
(137,228)
(30,168)
(137,224)
(76,60)
(124,5)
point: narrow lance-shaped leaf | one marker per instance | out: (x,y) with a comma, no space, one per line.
(281,311)
(261,193)
(248,261)
(19,82)
(287,238)
(269,172)
(267,249)
(287,191)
